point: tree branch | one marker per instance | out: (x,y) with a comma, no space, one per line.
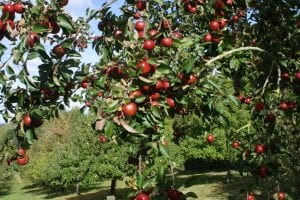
(227,53)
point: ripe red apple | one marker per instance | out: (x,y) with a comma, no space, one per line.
(214,25)
(54,27)
(155,103)
(235,18)
(285,76)
(208,37)
(281,196)
(84,84)
(19,7)
(21,151)
(149,45)
(152,33)
(219,5)
(59,51)
(23,160)
(297,76)
(191,8)
(260,106)
(27,120)
(9,23)
(210,139)
(134,94)
(167,42)
(100,94)
(260,148)
(167,24)
(192,79)
(8,8)
(222,23)
(32,39)
(139,25)
(177,35)
(154,96)
(263,171)
(159,85)
(118,33)
(140,5)
(141,34)
(283,106)
(144,66)
(170,102)
(174,194)
(247,100)
(247,153)
(142,196)
(216,40)
(129,109)
(250,197)
(137,15)
(62,2)
(235,144)
(165,85)
(102,138)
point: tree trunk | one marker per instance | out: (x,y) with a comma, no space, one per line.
(77,188)
(113,186)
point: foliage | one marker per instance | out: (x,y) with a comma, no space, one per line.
(201,47)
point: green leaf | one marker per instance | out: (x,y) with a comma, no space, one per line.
(164,69)
(64,22)
(188,64)
(140,181)
(29,135)
(38,28)
(234,100)
(163,151)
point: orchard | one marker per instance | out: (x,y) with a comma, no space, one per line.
(159,60)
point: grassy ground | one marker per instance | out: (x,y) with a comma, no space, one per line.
(207,186)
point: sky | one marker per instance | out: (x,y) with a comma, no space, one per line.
(76,8)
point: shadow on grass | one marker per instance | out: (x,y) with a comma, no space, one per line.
(87,193)
(4,188)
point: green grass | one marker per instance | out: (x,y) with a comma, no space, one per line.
(207,186)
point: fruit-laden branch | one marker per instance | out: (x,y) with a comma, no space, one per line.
(227,53)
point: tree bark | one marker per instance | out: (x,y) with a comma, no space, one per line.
(77,188)
(113,186)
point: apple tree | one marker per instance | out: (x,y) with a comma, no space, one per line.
(153,58)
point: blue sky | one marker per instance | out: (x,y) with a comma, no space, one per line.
(77,8)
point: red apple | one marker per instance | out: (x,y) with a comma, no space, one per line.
(88,104)
(102,138)
(62,2)
(214,25)
(208,37)
(27,120)
(137,15)
(260,106)
(23,160)
(165,85)
(154,96)
(140,5)
(285,76)
(59,51)
(170,102)
(250,197)
(281,195)
(247,100)
(19,7)
(235,18)
(263,171)
(174,194)
(149,45)
(129,109)
(192,79)
(222,23)
(139,25)
(152,33)
(134,94)
(8,8)
(159,85)
(260,148)
(219,5)
(21,151)
(283,106)
(177,34)
(235,144)
(84,84)
(144,66)
(210,139)
(142,196)
(32,39)
(167,42)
